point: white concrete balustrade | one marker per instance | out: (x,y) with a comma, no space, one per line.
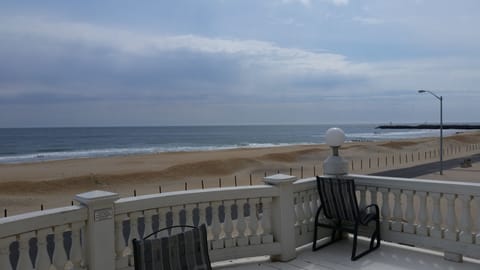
(272,219)
(49,239)
(440,215)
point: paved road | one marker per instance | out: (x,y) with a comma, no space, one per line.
(428,168)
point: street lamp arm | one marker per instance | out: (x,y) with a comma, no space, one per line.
(431,93)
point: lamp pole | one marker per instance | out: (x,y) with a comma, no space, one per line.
(441,125)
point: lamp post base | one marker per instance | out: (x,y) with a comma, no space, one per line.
(335,165)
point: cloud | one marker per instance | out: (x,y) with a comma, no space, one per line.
(303,2)
(367,20)
(308,3)
(55,67)
(104,62)
(340,2)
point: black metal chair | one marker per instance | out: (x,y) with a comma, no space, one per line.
(340,207)
(183,251)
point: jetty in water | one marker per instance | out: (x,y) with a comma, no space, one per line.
(428,126)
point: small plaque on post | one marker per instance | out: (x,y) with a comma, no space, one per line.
(103,214)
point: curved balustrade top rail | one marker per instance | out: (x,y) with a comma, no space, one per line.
(33,221)
(150,201)
(438,186)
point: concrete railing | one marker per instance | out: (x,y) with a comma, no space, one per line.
(439,215)
(49,239)
(272,219)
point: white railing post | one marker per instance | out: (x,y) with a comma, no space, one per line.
(100,229)
(283,216)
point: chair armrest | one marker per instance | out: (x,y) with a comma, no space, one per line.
(374,205)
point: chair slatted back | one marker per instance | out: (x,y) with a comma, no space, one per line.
(338,198)
(187,250)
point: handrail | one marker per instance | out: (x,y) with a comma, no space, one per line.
(456,187)
(32,221)
(132,204)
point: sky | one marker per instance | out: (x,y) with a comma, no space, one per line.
(235,62)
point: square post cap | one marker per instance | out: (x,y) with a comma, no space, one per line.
(279,179)
(96,196)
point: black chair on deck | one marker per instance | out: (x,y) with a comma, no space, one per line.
(183,251)
(340,207)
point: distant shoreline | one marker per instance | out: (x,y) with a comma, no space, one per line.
(425,126)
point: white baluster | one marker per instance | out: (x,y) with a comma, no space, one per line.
(314,205)
(422,228)
(362,190)
(373,195)
(76,251)
(308,209)
(189,214)
(436,230)
(385,211)
(216,228)
(59,254)
(242,240)
(202,219)
(410,226)
(451,232)
(254,239)
(228,224)
(69,264)
(24,261)
(303,215)
(162,217)
(43,260)
(267,236)
(148,214)
(397,211)
(5,252)
(466,220)
(176,218)
(133,216)
(122,247)
(299,216)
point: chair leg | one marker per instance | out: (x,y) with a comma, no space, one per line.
(354,246)
(315,234)
(375,236)
(333,239)
(314,245)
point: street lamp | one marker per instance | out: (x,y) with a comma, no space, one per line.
(335,164)
(441,125)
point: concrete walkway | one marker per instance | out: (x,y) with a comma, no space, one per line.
(431,168)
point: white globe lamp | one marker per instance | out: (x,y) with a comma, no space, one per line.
(335,137)
(335,164)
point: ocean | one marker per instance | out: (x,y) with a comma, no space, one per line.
(23,145)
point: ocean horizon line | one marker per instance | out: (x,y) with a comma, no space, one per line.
(27,145)
(253,124)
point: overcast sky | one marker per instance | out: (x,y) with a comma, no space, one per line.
(199,62)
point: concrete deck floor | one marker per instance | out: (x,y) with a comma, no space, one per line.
(337,256)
